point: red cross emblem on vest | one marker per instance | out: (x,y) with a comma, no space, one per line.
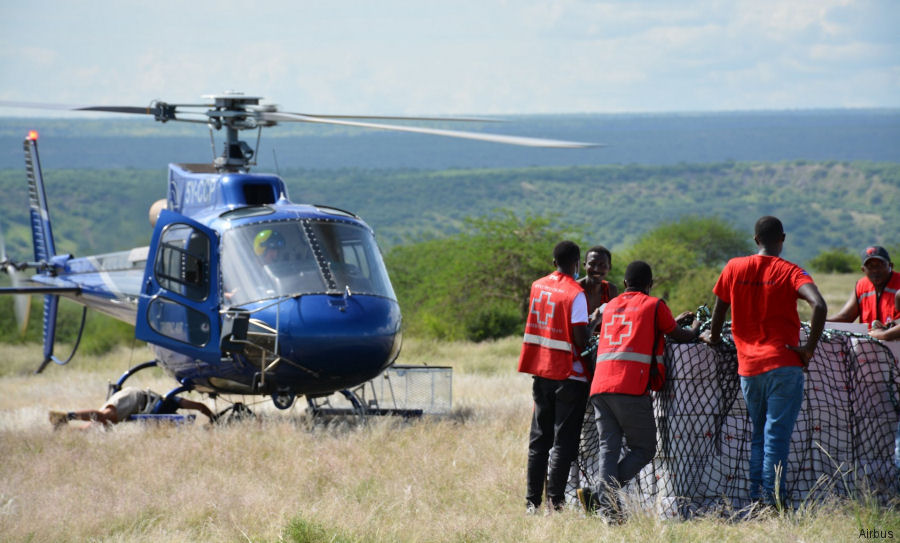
(623,333)
(549,306)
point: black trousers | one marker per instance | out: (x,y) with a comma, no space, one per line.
(555,434)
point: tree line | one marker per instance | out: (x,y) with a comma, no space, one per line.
(475,285)
(822,204)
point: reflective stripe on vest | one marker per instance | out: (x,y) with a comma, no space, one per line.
(631,357)
(624,352)
(547,347)
(549,343)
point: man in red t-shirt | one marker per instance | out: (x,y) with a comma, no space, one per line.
(762,292)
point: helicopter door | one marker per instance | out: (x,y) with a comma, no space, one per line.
(179,304)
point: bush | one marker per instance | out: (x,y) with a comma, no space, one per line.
(493,323)
(693,290)
(474,285)
(101,332)
(687,256)
(835,261)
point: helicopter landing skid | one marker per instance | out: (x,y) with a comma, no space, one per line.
(323,407)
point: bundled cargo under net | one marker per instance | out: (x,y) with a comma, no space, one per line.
(842,444)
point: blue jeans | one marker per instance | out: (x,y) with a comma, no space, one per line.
(773,402)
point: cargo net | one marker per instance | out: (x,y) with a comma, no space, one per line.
(842,444)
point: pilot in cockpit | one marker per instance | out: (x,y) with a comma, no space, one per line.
(268,245)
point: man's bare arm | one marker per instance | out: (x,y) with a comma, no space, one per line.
(685,335)
(713,336)
(580,334)
(891,331)
(810,293)
(184,403)
(849,312)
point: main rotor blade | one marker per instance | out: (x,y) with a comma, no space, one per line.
(496,138)
(399,118)
(161,111)
(74,107)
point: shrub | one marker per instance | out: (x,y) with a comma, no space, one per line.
(687,256)
(474,285)
(835,261)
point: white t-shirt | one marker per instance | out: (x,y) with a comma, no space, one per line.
(579,316)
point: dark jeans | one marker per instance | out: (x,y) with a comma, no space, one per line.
(555,434)
(625,416)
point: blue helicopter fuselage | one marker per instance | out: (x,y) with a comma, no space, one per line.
(242,291)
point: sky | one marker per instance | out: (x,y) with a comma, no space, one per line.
(456,56)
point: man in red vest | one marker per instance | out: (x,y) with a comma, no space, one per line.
(555,335)
(762,292)
(874,296)
(631,336)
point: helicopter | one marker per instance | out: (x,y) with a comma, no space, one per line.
(240,291)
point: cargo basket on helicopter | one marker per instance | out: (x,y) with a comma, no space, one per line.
(407,391)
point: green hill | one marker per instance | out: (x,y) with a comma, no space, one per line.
(823,205)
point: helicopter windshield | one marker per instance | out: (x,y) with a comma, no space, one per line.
(297,257)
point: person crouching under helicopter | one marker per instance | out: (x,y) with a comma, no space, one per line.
(126,402)
(633,324)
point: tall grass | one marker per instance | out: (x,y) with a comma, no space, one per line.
(451,479)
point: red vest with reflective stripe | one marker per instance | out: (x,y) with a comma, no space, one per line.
(873,307)
(548,349)
(625,345)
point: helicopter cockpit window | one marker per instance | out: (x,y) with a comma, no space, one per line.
(182,262)
(352,257)
(274,259)
(268,260)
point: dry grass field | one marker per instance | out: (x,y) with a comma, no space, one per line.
(451,479)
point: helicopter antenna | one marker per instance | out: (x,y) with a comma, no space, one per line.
(275,157)
(258,137)
(212,142)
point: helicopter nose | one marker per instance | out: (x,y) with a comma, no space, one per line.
(333,342)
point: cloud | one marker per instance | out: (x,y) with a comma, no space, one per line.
(470,56)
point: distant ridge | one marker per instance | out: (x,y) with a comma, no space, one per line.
(650,139)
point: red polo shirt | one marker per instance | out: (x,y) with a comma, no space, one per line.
(762,291)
